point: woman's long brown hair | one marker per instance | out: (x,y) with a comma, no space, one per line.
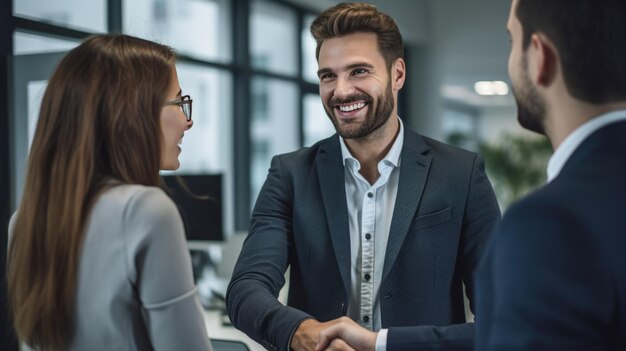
(99,119)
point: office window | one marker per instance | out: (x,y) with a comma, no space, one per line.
(35,57)
(285,112)
(198,28)
(274,126)
(260,159)
(28,44)
(207,147)
(317,125)
(86,15)
(309,61)
(273,37)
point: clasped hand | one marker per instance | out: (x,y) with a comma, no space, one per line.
(341,334)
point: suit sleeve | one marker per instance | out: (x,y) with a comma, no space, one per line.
(457,337)
(482,214)
(479,220)
(258,276)
(550,289)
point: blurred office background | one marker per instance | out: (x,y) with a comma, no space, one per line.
(250,67)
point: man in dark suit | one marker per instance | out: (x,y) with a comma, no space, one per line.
(554,277)
(376,223)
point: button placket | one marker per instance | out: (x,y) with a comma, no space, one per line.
(368,226)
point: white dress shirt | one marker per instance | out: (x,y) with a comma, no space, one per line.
(370,209)
(571,143)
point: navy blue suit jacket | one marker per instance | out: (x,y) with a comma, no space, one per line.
(445,210)
(554,276)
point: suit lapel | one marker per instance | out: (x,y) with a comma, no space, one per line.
(330,172)
(414,168)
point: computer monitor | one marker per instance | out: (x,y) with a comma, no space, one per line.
(202,209)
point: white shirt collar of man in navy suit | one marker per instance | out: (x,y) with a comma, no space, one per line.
(571,143)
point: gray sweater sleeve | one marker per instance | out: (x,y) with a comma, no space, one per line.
(159,267)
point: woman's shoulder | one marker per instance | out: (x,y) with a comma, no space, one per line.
(136,201)
(134,194)
(142,215)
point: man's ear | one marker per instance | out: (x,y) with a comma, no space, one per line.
(543,61)
(398,74)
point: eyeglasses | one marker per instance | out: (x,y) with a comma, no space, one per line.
(185,104)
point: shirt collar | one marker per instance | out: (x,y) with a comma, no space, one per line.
(392,157)
(571,143)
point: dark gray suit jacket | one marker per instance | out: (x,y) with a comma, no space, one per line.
(554,277)
(445,210)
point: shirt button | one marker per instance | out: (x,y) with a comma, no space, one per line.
(366,319)
(368,236)
(367,276)
(370,194)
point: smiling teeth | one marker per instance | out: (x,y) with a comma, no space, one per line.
(351,107)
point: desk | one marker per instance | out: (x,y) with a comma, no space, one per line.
(221,257)
(215,329)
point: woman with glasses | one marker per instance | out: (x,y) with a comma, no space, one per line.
(98,258)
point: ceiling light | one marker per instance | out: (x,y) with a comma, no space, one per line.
(491,88)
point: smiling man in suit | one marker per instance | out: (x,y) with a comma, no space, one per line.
(376,223)
(555,274)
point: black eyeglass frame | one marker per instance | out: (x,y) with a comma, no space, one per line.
(185,103)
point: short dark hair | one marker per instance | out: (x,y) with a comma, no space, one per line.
(590,36)
(357,17)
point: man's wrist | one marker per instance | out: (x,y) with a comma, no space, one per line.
(293,332)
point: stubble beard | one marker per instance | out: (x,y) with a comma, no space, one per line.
(531,111)
(375,118)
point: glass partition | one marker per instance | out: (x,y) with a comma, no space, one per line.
(273,37)
(78,14)
(198,28)
(309,61)
(317,125)
(274,126)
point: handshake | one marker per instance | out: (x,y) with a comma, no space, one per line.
(338,334)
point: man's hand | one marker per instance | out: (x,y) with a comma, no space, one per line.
(307,335)
(339,345)
(345,329)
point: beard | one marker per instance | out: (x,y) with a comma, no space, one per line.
(531,110)
(376,116)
